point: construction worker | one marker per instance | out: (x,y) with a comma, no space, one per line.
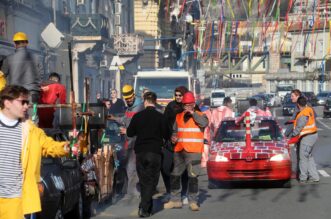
(305,127)
(21,67)
(295,94)
(132,109)
(188,138)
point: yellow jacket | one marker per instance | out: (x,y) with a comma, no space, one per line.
(35,145)
(2,80)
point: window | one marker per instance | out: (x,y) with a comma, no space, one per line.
(80,2)
(163,87)
(261,130)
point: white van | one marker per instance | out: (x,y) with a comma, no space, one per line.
(217,97)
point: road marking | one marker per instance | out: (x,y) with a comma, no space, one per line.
(325,125)
(324,173)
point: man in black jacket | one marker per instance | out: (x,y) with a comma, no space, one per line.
(151,129)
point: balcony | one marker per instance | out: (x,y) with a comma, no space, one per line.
(128,44)
(89,26)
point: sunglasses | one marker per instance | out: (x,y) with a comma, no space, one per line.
(23,102)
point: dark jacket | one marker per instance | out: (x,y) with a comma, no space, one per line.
(117,108)
(20,68)
(150,128)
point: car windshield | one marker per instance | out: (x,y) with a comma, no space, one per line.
(328,102)
(323,94)
(217,94)
(262,130)
(288,100)
(284,88)
(164,87)
(308,94)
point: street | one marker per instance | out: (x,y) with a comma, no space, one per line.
(252,200)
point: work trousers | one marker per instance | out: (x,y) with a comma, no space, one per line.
(148,169)
(133,186)
(306,161)
(186,161)
(11,208)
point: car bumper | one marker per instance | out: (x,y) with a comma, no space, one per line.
(321,102)
(246,171)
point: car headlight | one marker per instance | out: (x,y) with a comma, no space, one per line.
(220,158)
(280,157)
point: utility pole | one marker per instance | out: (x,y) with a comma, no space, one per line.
(54,11)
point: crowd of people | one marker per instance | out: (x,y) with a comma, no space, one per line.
(171,141)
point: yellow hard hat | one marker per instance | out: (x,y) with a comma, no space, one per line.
(20,36)
(127,91)
(2,81)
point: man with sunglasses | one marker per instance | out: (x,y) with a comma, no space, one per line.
(172,109)
(21,146)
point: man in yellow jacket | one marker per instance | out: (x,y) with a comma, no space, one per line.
(22,145)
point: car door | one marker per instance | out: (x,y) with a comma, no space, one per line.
(72,180)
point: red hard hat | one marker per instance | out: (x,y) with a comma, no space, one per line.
(188,98)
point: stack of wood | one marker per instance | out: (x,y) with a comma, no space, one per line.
(104,162)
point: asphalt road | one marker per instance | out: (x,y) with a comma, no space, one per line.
(252,200)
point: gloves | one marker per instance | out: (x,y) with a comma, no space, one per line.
(289,122)
(294,140)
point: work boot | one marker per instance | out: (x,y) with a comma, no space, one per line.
(173,204)
(194,207)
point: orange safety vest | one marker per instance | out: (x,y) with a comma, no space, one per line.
(310,127)
(189,135)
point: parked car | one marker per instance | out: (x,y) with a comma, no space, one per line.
(62,181)
(274,100)
(288,107)
(264,99)
(327,108)
(311,98)
(322,97)
(266,159)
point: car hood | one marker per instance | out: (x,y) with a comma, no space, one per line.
(260,149)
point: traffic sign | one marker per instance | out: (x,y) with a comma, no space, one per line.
(116,64)
(52,36)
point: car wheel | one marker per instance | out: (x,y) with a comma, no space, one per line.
(59,213)
(213,184)
(286,184)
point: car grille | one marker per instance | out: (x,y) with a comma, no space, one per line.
(256,172)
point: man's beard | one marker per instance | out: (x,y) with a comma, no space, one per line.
(131,103)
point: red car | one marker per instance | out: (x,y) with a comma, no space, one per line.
(255,152)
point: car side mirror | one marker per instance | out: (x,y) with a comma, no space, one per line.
(70,164)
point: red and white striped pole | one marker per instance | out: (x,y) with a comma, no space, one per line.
(248,131)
